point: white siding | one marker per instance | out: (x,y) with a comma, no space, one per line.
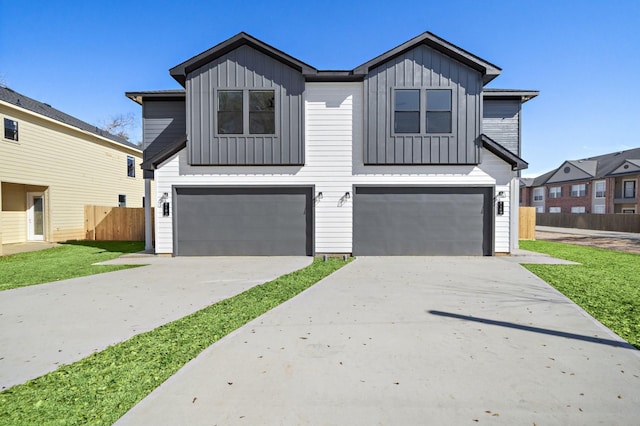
(334,164)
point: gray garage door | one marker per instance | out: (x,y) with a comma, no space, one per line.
(422,221)
(273,221)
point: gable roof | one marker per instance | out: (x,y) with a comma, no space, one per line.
(516,162)
(17,99)
(597,167)
(629,166)
(489,71)
(180,71)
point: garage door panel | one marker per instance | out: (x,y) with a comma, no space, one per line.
(243,221)
(422,221)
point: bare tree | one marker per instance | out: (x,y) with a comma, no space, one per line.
(119,125)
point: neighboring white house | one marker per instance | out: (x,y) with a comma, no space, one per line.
(262,154)
(52,165)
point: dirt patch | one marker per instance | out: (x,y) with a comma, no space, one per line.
(617,244)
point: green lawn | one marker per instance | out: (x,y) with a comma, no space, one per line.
(99,389)
(606,284)
(72,259)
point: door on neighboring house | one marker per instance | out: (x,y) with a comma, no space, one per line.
(35,216)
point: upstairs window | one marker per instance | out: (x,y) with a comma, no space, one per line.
(438,111)
(131,166)
(555,192)
(600,188)
(629,189)
(538,194)
(249,112)
(407,111)
(10,129)
(410,105)
(579,190)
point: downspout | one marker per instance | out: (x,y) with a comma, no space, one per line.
(148,235)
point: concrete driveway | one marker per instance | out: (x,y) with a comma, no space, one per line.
(45,326)
(410,341)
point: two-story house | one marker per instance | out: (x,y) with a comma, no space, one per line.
(263,154)
(52,165)
(602,184)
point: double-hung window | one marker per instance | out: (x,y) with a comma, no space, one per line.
(246,112)
(629,189)
(579,190)
(600,188)
(538,194)
(10,129)
(422,111)
(555,192)
(131,166)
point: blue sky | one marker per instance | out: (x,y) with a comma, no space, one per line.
(583,56)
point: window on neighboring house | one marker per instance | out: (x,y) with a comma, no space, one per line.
(555,210)
(538,194)
(600,188)
(250,112)
(131,166)
(539,209)
(579,190)
(579,209)
(555,192)
(629,189)
(599,209)
(629,211)
(10,129)
(408,110)
(122,200)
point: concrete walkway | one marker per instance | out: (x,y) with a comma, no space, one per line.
(15,248)
(410,341)
(47,325)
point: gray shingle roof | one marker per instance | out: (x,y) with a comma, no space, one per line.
(599,166)
(10,96)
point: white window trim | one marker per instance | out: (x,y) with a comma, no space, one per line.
(552,193)
(538,192)
(17,130)
(595,189)
(581,187)
(581,208)
(555,210)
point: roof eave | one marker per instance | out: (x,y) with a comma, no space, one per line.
(180,71)
(171,149)
(522,95)
(516,162)
(489,71)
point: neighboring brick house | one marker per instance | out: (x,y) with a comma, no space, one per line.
(602,184)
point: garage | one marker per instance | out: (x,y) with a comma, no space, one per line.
(243,221)
(406,221)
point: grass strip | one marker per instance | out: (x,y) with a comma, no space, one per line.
(606,284)
(99,389)
(70,260)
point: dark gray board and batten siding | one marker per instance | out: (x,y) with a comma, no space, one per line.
(245,68)
(163,122)
(423,67)
(501,122)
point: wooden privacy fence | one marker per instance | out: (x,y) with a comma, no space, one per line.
(105,223)
(527,223)
(602,222)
